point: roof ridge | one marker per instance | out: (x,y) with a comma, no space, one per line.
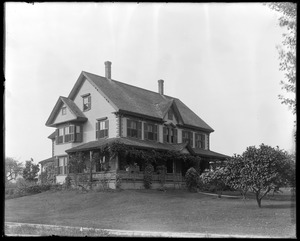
(137,87)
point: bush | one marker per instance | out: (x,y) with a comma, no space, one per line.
(148,176)
(191,179)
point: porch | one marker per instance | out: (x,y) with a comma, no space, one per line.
(129,180)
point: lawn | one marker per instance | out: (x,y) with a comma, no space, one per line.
(152,210)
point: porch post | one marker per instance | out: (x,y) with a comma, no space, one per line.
(91,171)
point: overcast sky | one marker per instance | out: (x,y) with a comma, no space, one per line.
(219,59)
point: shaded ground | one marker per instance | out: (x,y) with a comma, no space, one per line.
(152,210)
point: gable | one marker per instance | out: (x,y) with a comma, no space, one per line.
(72,112)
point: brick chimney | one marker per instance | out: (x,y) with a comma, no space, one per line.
(161,86)
(107,69)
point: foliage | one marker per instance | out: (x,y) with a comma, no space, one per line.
(118,181)
(13,169)
(148,176)
(77,163)
(30,172)
(191,179)
(261,170)
(68,182)
(287,52)
(162,170)
(215,179)
(48,175)
(235,176)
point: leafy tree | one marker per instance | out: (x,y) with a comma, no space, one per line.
(216,179)
(30,172)
(13,169)
(261,170)
(287,52)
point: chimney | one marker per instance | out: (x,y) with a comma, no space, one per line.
(161,87)
(107,69)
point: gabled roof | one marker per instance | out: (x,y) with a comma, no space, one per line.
(76,112)
(131,99)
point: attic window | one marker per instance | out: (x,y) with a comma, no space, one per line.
(170,114)
(86,102)
(64,110)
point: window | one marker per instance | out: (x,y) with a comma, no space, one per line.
(170,114)
(64,110)
(86,102)
(134,128)
(200,140)
(187,136)
(101,129)
(70,133)
(60,136)
(62,165)
(170,134)
(150,132)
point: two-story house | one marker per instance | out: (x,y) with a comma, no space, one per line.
(100,111)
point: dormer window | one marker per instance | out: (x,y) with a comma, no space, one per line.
(64,110)
(86,102)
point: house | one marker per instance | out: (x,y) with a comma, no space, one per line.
(100,112)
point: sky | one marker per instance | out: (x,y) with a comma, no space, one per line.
(220,59)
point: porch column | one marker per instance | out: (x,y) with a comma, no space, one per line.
(91,167)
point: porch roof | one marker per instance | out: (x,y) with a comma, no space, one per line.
(208,153)
(92,145)
(51,159)
(142,144)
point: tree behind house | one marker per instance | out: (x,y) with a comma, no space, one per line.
(13,169)
(30,172)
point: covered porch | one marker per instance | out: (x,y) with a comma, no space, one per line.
(121,162)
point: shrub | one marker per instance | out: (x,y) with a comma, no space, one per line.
(191,179)
(148,176)
(68,182)
(118,181)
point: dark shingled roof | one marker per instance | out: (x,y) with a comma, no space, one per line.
(208,153)
(132,99)
(53,135)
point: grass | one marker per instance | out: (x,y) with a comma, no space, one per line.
(152,210)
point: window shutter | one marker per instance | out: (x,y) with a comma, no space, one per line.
(139,129)
(72,133)
(56,163)
(191,138)
(89,102)
(145,131)
(56,137)
(175,136)
(106,127)
(165,134)
(155,133)
(97,130)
